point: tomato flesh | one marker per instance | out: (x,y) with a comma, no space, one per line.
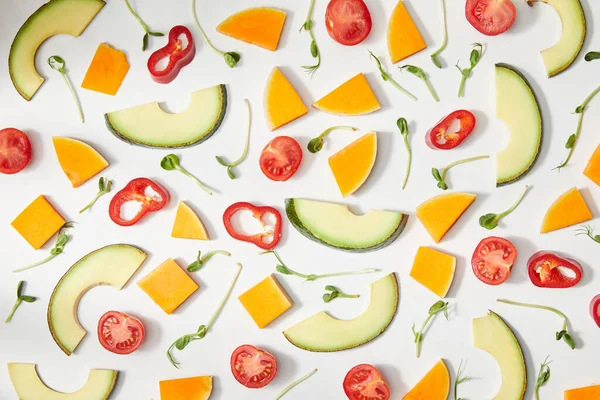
(281,158)
(120,333)
(439,137)
(544,270)
(15,150)
(348,22)
(253,367)
(493,259)
(365,382)
(491,17)
(595,310)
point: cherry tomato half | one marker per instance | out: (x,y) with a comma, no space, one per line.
(253,367)
(365,382)
(120,333)
(348,22)
(491,17)
(15,150)
(493,259)
(281,158)
(544,268)
(438,137)
(595,309)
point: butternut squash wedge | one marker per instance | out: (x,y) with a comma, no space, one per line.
(569,209)
(584,393)
(194,388)
(352,165)
(440,213)
(188,224)
(107,70)
(403,37)
(281,102)
(78,160)
(259,26)
(434,386)
(353,97)
(592,169)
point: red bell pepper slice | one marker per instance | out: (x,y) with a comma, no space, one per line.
(595,309)
(438,139)
(137,190)
(258,213)
(178,55)
(544,271)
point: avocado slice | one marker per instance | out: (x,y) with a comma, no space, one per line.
(112,265)
(55,17)
(491,334)
(322,332)
(29,386)
(518,107)
(149,125)
(560,56)
(334,225)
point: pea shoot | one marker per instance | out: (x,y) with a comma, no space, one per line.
(295,383)
(20,298)
(419,73)
(316,144)
(542,378)
(440,177)
(57,63)
(434,55)
(403,126)
(231,57)
(387,78)
(592,55)
(237,162)
(490,221)
(201,260)
(333,293)
(438,307)
(314,49)
(59,246)
(104,187)
(171,163)
(587,231)
(474,58)
(460,379)
(144,26)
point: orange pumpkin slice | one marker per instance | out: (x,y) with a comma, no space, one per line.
(188,224)
(584,393)
(107,70)
(569,209)
(194,388)
(440,213)
(592,169)
(260,26)
(354,97)
(403,37)
(352,165)
(78,160)
(434,386)
(282,103)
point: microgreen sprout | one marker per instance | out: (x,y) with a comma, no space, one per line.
(403,126)
(237,162)
(231,57)
(434,55)
(543,377)
(295,383)
(20,298)
(592,55)
(59,246)
(419,73)
(460,379)
(333,293)
(386,77)
(104,187)
(314,49)
(440,177)
(437,307)
(57,63)
(316,144)
(587,231)
(490,221)
(474,58)
(171,163)
(201,260)
(143,24)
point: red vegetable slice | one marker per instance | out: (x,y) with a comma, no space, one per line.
(120,333)
(365,382)
(179,54)
(281,158)
(544,270)
(138,190)
(595,309)
(15,150)
(490,17)
(258,213)
(253,367)
(348,22)
(438,137)
(493,259)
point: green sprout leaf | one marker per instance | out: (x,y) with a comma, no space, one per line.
(440,177)
(434,55)
(490,221)
(542,378)
(171,162)
(314,49)
(144,26)
(57,63)
(419,73)
(316,144)
(436,308)
(587,231)
(386,77)
(403,127)
(295,383)
(200,261)
(237,162)
(59,246)
(20,298)
(474,58)
(104,187)
(592,55)
(333,293)
(460,378)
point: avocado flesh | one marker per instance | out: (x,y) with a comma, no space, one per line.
(112,265)
(336,226)
(29,386)
(69,17)
(321,332)
(149,125)
(491,334)
(517,106)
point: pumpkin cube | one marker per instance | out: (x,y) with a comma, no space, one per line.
(266,301)
(168,285)
(38,222)
(434,270)
(107,70)
(194,388)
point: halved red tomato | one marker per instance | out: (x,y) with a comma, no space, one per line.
(120,333)
(439,136)
(365,382)
(15,150)
(493,259)
(253,367)
(281,158)
(491,17)
(348,22)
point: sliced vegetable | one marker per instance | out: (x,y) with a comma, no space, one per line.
(260,26)
(106,72)
(441,212)
(178,53)
(192,388)
(59,246)
(280,158)
(568,209)
(352,165)
(333,292)
(314,49)
(353,97)
(253,367)
(28,223)
(258,213)
(15,151)
(58,64)
(435,385)
(440,177)
(348,22)
(595,309)
(542,378)
(316,144)
(104,187)
(282,103)
(120,333)
(150,195)
(437,307)
(188,225)
(547,269)
(171,162)
(493,260)
(419,73)
(266,301)
(435,54)
(474,58)
(231,57)
(403,127)
(365,382)
(144,26)
(491,17)
(295,383)
(439,137)
(237,162)
(592,169)
(403,36)
(201,260)
(20,298)
(79,161)
(490,221)
(387,78)
(434,270)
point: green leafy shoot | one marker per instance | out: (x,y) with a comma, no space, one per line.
(104,187)
(314,49)
(57,63)
(295,383)
(460,379)
(333,293)
(403,126)
(440,177)
(592,55)
(231,57)
(434,55)
(419,73)
(202,330)
(316,144)
(490,221)
(542,378)
(143,24)
(562,334)
(283,269)
(237,162)
(572,140)
(170,162)
(587,231)
(59,246)
(474,58)
(437,307)
(20,298)
(387,78)
(201,260)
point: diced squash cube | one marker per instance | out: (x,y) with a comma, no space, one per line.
(569,209)
(194,388)
(584,393)
(434,270)
(107,70)
(38,222)
(188,224)
(168,285)
(266,301)
(592,169)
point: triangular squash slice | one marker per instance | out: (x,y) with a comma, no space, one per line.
(188,224)
(440,213)
(569,209)
(260,26)
(403,36)
(592,169)
(353,97)
(281,102)
(194,388)
(434,386)
(78,160)
(352,165)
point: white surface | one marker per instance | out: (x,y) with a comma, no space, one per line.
(52,112)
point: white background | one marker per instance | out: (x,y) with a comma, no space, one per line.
(52,113)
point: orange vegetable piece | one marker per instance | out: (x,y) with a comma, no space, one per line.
(266,301)
(107,70)
(441,212)
(194,388)
(281,101)
(188,224)
(592,169)
(404,39)
(78,160)
(569,209)
(434,386)
(352,165)
(584,393)
(38,222)
(434,270)
(353,97)
(260,26)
